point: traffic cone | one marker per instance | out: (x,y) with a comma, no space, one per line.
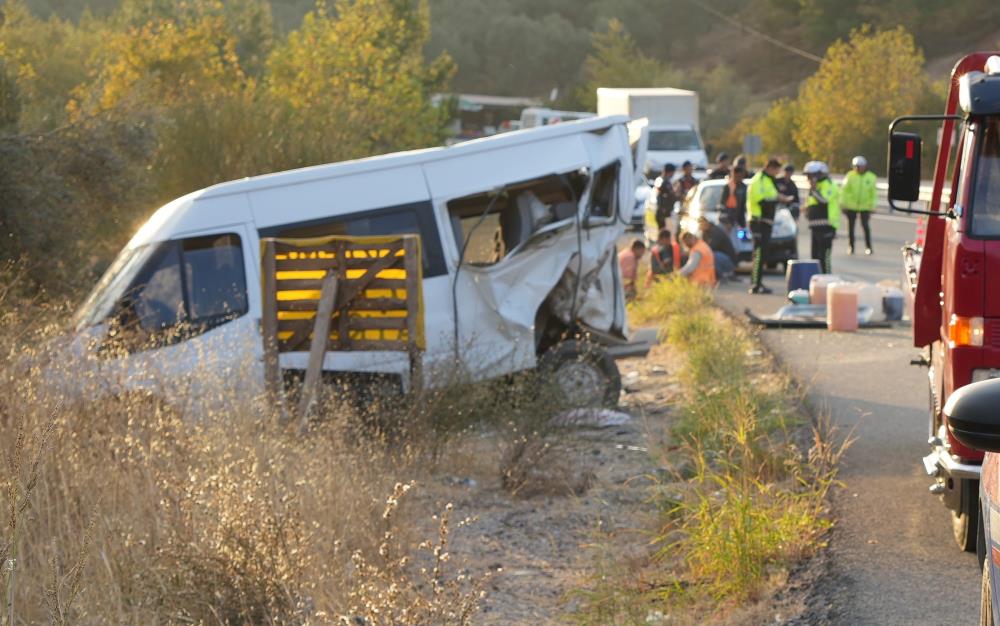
(920,231)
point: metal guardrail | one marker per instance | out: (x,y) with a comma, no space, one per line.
(883,188)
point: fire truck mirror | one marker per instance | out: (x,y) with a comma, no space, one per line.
(973,417)
(904,167)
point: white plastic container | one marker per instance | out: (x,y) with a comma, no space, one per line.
(871,295)
(818,285)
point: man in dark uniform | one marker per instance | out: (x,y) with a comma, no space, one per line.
(762,202)
(721,169)
(687,181)
(666,195)
(788,187)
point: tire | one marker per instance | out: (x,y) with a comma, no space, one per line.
(582,374)
(986,597)
(965,521)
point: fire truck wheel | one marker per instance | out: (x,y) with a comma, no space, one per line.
(583,373)
(986,599)
(965,521)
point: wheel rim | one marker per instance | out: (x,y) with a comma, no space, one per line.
(580,383)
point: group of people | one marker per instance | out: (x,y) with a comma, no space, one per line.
(711,255)
(697,263)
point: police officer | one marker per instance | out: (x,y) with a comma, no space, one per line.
(857,198)
(822,211)
(762,200)
(666,195)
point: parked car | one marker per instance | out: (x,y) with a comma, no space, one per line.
(705,200)
(642,194)
(972,414)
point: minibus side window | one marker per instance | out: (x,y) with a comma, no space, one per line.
(185,289)
(412,219)
(488,226)
(604,193)
(215,280)
(155,302)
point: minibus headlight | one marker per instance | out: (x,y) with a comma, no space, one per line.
(965,331)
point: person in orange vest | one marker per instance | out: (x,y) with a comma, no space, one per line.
(664,257)
(700,266)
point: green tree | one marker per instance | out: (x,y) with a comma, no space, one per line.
(860,86)
(359,79)
(46,59)
(777,130)
(616,61)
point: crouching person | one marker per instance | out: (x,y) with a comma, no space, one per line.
(628,262)
(664,257)
(722,247)
(700,266)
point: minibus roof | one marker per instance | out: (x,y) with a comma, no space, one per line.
(413,157)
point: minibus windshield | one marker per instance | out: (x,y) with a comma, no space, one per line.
(97,307)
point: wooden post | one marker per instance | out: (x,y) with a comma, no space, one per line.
(269,328)
(317,349)
(344,320)
(410,260)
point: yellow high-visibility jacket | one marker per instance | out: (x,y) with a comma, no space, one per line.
(826,195)
(762,189)
(858,192)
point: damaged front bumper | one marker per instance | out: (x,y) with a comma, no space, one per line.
(940,463)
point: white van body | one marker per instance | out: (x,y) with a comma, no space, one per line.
(199,256)
(533,117)
(674,135)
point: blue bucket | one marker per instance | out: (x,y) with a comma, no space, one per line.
(893,306)
(798,273)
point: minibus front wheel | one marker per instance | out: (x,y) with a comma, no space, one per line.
(581,374)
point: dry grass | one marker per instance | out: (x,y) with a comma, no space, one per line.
(131,509)
(194,504)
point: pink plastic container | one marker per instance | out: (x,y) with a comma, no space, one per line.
(817,287)
(842,307)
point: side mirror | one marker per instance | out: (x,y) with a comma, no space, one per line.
(904,167)
(973,413)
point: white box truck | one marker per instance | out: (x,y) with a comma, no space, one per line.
(673,122)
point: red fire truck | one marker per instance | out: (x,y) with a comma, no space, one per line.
(955,274)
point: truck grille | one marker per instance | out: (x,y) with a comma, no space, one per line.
(993,334)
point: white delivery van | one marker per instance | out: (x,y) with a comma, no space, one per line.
(674,135)
(518,237)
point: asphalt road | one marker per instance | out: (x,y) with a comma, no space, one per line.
(892,559)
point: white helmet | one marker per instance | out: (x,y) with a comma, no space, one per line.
(859,161)
(815,168)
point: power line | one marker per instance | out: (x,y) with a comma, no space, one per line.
(753,31)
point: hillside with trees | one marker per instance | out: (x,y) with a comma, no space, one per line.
(109,108)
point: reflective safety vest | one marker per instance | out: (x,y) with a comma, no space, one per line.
(704,274)
(762,192)
(823,205)
(858,192)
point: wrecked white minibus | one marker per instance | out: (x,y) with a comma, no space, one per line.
(517,231)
